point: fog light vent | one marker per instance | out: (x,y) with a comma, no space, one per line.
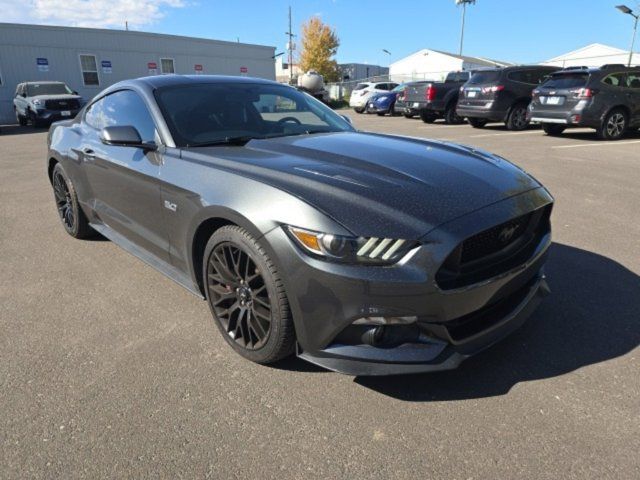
(385,320)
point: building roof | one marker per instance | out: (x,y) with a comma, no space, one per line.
(600,48)
(465,58)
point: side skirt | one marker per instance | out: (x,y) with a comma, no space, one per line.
(148,258)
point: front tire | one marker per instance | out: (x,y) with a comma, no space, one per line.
(427,117)
(358,110)
(451,117)
(517,119)
(247,297)
(21,119)
(552,129)
(477,122)
(614,125)
(73,218)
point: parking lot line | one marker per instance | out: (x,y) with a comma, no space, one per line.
(596,144)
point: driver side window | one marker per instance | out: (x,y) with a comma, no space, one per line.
(273,108)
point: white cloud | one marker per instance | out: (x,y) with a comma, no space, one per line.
(87,13)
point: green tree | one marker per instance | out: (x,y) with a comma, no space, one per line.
(319,45)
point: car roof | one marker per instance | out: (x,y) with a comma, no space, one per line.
(44,82)
(159,81)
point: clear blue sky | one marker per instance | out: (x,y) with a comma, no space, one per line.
(517,30)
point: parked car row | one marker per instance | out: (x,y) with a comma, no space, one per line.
(605,98)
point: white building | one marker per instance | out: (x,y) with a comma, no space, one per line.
(593,55)
(427,64)
(91,59)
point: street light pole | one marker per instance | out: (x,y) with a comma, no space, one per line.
(389,67)
(464,13)
(628,11)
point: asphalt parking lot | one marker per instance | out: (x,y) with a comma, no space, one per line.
(110,370)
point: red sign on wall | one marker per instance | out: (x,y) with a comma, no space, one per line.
(244,69)
(152,65)
(197,67)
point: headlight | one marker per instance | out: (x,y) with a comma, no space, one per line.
(372,250)
(37,102)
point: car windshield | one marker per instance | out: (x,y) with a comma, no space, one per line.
(35,89)
(399,88)
(567,80)
(488,76)
(234,113)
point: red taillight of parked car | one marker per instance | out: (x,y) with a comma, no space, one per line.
(430,93)
(493,89)
(586,93)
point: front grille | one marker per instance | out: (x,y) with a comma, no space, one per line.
(495,250)
(493,240)
(71,104)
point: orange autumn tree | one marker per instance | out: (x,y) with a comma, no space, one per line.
(319,45)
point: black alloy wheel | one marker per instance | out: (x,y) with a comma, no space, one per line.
(614,125)
(247,297)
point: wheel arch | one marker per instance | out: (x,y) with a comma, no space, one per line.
(51,164)
(206,225)
(619,106)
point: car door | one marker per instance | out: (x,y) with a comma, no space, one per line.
(124,180)
(633,94)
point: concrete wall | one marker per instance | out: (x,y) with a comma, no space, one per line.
(129,53)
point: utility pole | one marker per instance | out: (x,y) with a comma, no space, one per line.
(464,12)
(290,47)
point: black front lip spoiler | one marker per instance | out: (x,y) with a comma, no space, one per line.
(436,355)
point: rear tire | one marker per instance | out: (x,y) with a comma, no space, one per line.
(614,125)
(517,119)
(451,117)
(73,218)
(427,117)
(477,122)
(552,129)
(358,110)
(247,297)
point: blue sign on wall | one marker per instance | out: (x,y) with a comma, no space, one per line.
(106,66)
(43,64)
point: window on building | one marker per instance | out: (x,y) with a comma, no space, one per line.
(89,68)
(166,65)
(122,108)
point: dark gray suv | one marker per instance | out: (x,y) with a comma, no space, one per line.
(606,98)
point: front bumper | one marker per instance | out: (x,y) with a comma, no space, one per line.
(326,298)
(44,115)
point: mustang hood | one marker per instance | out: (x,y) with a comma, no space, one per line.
(371,183)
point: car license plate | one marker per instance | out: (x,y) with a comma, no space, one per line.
(472,94)
(65,113)
(416,104)
(553,100)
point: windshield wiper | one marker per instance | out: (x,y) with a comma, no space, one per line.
(239,140)
(295,134)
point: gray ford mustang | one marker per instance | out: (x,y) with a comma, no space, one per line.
(364,253)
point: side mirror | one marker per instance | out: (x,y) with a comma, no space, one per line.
(348,119)
(24,95)
(74,92)
(125,136)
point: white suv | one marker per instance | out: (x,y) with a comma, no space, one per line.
(363,91)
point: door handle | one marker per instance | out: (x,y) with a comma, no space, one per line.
(88,152)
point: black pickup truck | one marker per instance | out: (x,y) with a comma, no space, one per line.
(433,100)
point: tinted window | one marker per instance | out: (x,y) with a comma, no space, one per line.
(399,88)
(381,86)
(532,77)
(122,108)
(633,80)
(489,76)
(211,112)
(567,80)
(361,86)
(615,80)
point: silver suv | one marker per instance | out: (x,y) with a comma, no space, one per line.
(41,103)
